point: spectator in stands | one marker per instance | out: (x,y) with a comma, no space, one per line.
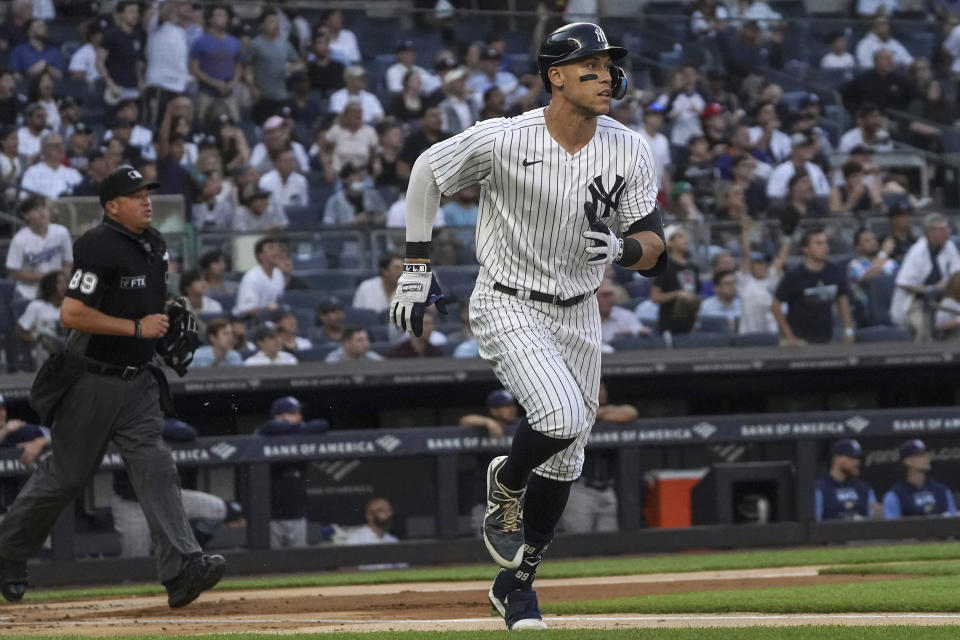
(387,155)
(49,177)
(120,55)
(880,39)
(37,55)
(216,62)
(838,57)
(214,211)
(685,106)
(933,106)
(947,319)
(268,352)
(489,74)
(213,265)
(375,293)
(882,84)
(167,56)
(128,111)
(709,18)
(262,285)
(724,303)
(461,211)
(676,289)
(291,282)
(869,132)
(355,78)
(354,346)
(417,346)
(840,494)
(10,166)
(923,275)
(684,206)
(659,145)
(13,31)
(502,409)
(194,288)
(258,211)
(277,136)
(69,111)
(408,104)
(31,439)
(800,204)
(11,102)
(745,49)
(325,73)
(357,202)
(83,62)
(94,173)
(219,350)
(810,290)
(40,91)
(871,263)
(379,516)
(458,108)
(289,480)
(767,136)
(271,59)
(285,321)
(803,148)
(39,325)
(855,195)
(739,145)
(900,230)
(715,124)
(38,248)
(396,77)
(431,131)
(343,42)
(329,319)
(917,494)
(286,186)
(698,171)
(349,141)
(31,133)
(616,322)
(494,104)
(231,142)
(875,8)
(757,282)
(746,175)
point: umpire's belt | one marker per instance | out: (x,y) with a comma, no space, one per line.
(104,369)
(543,297)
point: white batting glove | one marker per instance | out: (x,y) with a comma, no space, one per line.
(417,289)
(607,247)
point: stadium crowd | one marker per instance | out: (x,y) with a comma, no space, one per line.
(270,120)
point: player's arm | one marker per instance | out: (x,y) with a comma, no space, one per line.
(785,330)
(616,413)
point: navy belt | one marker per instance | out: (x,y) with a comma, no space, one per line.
(116,370)
(544,297)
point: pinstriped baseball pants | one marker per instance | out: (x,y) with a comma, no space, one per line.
(548,357)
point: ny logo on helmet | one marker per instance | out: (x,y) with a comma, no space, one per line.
(601,37)
(609,199)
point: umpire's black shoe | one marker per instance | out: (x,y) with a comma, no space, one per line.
(503,520)
(201,573)
(13,579)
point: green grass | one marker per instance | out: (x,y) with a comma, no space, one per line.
(935,594)
(634,565)
(740,633)
(942,568)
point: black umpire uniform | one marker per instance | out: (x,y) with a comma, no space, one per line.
(105,390)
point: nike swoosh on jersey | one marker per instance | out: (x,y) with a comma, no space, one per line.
(527,163)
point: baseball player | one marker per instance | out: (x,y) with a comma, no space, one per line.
(565,191)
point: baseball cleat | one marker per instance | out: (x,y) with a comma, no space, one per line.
(200,574)
(503,520)
(520,609)
(13,579)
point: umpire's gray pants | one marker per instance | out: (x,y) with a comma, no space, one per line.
(96,410)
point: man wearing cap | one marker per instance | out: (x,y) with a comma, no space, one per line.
(880,38)
(30,135)
(219,349)
(101,389)
(917,494)
(96,171)
(258,212)
(276,136)
(50,178)
(840,494)
(659,145)
(354,346)
(288,480)
(38,248)
(802,150)
(355,78)
(268,352)
(406,55)
(502,409)
(489,75)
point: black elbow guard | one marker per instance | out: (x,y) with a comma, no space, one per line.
(656,269)
(652,222)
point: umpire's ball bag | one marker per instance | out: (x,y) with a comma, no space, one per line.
(54,379)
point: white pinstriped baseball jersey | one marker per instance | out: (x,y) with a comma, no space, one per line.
(530,220)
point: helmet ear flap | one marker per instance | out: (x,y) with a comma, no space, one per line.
(618,83)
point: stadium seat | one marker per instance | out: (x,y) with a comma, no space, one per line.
(700,340)
(226,300)
(316,354)
(755,340)
(450,276)
(883,334)
(303,217)
(639,288)
(366,317)
(450,346)
(638,342)
(304,298)
(714,324)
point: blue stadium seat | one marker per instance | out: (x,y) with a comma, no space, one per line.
(700,340)
(226,300)
(449,347)
(459,292)
(883,334)
(378,333)
(366,317)
(638,342)
(303,298)
(714,324)
(315,354)
(301,217)
(639,288)
(755,340)
(451,276)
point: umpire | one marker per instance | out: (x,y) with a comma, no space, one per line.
(103,388)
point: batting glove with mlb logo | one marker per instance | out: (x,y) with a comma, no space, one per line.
(417,289)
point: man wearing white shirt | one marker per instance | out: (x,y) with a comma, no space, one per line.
(375,293)
(379,516)
(355,78)
(268,349)
(38,248)
(616,321)
(659,145)
(928,265)
(406,54)
(684,108)
(31,133)
(838,57)
(489,75)
(49,178)
(276,136)
(167,74)
(343,42)
(870,8)
(804,147)
(286,186)
(354,346)
(262,285)
(766,135)
(880,38)
(869,132)
(724,303)
(194,289)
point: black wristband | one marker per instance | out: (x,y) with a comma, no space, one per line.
(632,252)
(418,250)
(137,329)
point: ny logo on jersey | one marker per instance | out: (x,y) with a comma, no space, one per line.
(609,199)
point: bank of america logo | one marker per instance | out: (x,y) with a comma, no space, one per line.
(388,443)
(223,450)
(857,423)
(704,430)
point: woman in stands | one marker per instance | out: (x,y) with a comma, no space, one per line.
(39,326)
(41,92)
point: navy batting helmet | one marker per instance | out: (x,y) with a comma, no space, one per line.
(580,40)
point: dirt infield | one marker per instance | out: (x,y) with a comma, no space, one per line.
(424,606)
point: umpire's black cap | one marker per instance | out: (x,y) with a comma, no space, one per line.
(122,182)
